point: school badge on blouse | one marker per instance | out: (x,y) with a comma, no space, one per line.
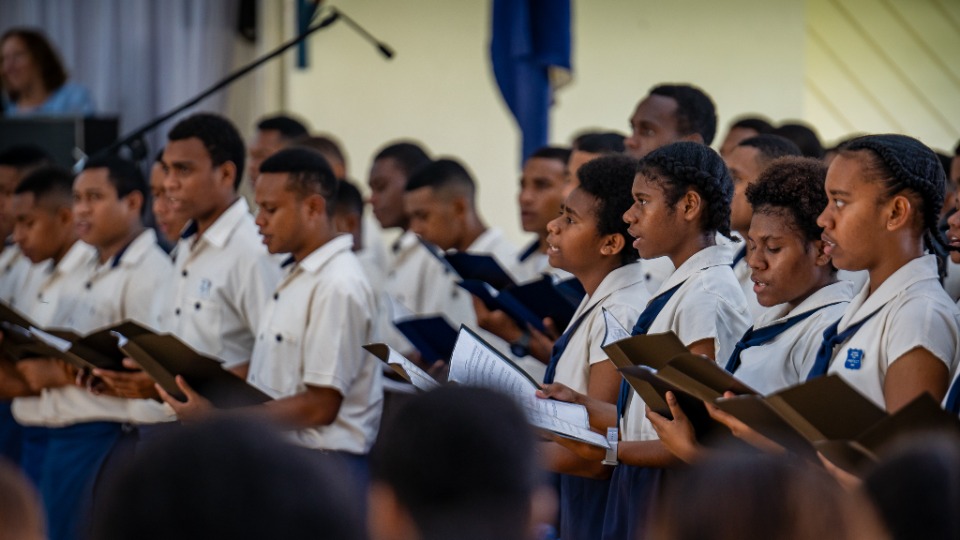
(854,359)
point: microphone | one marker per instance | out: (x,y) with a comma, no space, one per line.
(384,49)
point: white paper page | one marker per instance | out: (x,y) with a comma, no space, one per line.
(555,425)
(57,343)
(475,363)
(398,311)
(419,378)
(614,330)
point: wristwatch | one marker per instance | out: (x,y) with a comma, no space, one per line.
(521,347)
(613,439)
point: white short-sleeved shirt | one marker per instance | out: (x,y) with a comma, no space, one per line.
(623,293)
(123,288)
(914,312)
(656,271)
(14,267)
(311,334)
(745,276)
(708,305)
(53,291)
(222,280)
(787,359)
(373,257)
(419,282)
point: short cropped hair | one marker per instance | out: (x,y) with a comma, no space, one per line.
(557,153)
(218,135)
(608,142)
(327,145)
(755,123)
(49,183)
(308,172)
(443,174)
(124,174)
(349,200)
(770,147)
(288,127)
(25,156)
(804,137)
(696,112)
(409,156)
(461,461)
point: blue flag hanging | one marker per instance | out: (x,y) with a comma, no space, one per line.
(530,53)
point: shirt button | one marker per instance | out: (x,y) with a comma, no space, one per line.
(197,306)
(276,296)
(88,285)
(184,273)
(176,312)
(279,338)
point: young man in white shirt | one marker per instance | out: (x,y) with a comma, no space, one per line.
(542,187)
(15,162)
(223,275)
(413,272)
(61,458)
(308,353)
(440,203)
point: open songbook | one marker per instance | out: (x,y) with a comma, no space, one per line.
(476,363)
(162,356)
(420,379)
(432,335)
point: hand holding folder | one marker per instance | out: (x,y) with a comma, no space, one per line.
(477,363)
(420,379)
(165,358)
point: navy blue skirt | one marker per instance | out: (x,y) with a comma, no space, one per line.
(583,502)
(633,491)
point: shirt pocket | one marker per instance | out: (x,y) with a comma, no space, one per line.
(282,369)
(201,324)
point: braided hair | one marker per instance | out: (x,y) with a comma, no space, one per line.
(682,166)
(901,164)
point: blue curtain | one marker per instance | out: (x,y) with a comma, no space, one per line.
(530,40)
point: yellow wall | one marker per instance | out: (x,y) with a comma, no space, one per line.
(439,89)
(844,66)
(884,66)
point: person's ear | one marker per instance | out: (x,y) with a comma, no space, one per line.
(691,205)
(64,216)
(460,206)
(134,202)
(227,174)
(898,212)
(612,245)
(821,259)
(315,205)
